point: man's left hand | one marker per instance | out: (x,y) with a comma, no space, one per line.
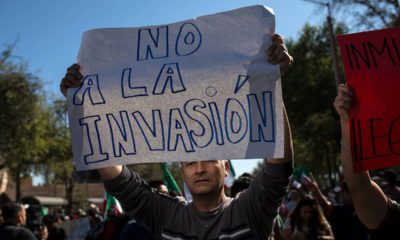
(278,54)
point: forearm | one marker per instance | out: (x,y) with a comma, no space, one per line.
(261,201)
(110,173)
(355,181)
(322,201)
(271,183)
(369,200)
(135,196)
(288,146)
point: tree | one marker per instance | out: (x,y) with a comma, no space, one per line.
(371,14)
(56,164)
(22,119)
(309,89)
(153,171)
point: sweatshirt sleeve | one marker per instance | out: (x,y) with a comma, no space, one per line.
(261,201)
(139,200)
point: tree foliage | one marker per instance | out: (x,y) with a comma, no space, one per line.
(309,89)
(371,14)
(34,135)
(22,118)
(153,171)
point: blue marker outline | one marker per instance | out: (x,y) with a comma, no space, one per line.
(186,38)
(88,89)
(226,118)
(192,132)
(179,37)
(152,131)
(123,133)
(124,95)
(263,116)
(233,114)
(240,82)
(85,125)
(169,80)
(178,135)
(155,41)
(221,128)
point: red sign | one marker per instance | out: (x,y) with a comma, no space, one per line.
(372,64)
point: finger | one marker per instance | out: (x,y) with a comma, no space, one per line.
(276,38)
(74,70)
(68,82)
(272,56)
(72,81)
(74,66)
(282,58)
(272,49)
(345,89)
(345,96)
(77,75)
(345,105)
(276,50)
(63,86)
(342,105)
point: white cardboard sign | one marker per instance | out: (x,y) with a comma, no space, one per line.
(199,89)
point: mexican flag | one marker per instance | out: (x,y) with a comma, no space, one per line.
(169,180)
(231,176)
(110,203)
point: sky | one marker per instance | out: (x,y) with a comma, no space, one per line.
(47,33)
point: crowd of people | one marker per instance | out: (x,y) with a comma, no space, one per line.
(262,206)
(308,211)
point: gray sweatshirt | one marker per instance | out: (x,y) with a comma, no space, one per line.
(248,216)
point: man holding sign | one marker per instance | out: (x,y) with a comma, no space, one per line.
(231,106)
(211,214)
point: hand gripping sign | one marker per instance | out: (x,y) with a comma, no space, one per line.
(372,64)
(199,89)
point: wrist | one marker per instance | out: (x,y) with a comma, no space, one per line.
(345,145)
(344,120)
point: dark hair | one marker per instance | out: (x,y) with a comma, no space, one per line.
(10,211)
(243,182)
(390,176)
(318,222)
(156,183)
(49,219)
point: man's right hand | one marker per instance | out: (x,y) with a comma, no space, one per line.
(73,78)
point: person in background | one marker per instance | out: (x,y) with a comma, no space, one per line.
(40,231)
(374,209)
(307,222)
(96,224)
(341,216)
(14,219)
(55,233)
(391,189)
(159,185)
(243,182)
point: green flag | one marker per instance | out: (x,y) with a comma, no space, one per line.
(169,180)
(110,204)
